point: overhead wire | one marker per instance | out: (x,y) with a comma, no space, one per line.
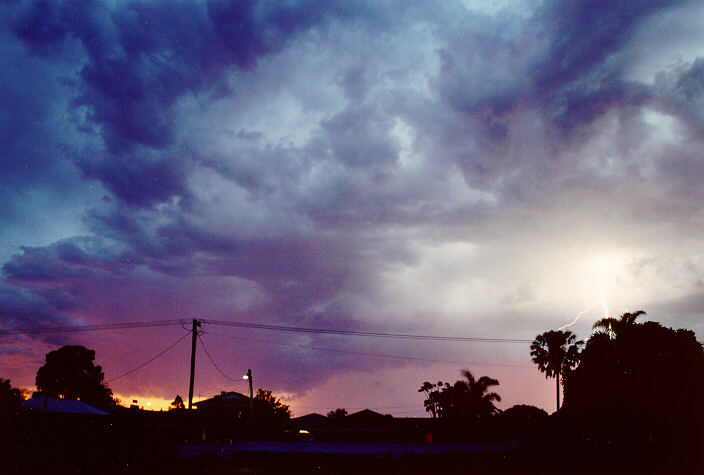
(87,328)
(150,360)
(213,361)
(258,326)
(366,353)
(261,326)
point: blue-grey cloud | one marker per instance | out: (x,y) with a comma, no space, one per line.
(139,58)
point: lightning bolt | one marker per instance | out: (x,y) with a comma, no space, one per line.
(580,314)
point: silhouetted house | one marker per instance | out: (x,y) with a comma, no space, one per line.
(305,427)
(50,404)
(309,421)
(225,416)
(367,418)
(226,404)
(360,427)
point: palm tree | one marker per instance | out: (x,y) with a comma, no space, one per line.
(617,326)
(471,396)
(555,352)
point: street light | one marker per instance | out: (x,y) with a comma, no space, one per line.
(248,377)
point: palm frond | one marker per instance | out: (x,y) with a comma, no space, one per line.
(492,397)
(605,323)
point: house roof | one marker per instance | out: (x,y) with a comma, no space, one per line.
(367,418)
(39,403)
(310,420)
(229,399)
(368,414)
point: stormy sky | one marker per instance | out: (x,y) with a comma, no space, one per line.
(480,169)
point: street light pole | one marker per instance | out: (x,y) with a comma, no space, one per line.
(248,377)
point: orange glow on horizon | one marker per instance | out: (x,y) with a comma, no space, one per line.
(152,403)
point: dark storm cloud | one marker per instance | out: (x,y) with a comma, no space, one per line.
(64,265)
(567,63)
(142,57)
(296,272)
(41,265)
(123,87)
(681,93)
(22,309)
(359,138)
(140,176)
(581,36)
(582,76)
(139,59)
(33,151)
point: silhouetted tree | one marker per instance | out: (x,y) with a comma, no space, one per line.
(69,373)
(337,414)
(616,326)
(524,411)
(432,396)
(270,413)
(177,403)
(471,397)
(272,402)
(467,400)
(642,388)
(10,398)
(555,352)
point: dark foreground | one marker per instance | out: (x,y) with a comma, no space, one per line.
(267,464)
(429,459)
(221,461)
(54,444)
(449,464)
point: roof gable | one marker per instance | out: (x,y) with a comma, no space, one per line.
(229,399)
(50,404)
(310,420)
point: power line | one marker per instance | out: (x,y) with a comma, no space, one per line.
(87,328)
(213,361)
(260,326)
(365,353)
(150,360)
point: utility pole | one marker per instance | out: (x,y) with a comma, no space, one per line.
(194,334)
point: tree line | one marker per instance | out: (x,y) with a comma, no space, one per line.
(633,394)
(631,384)
(70,373)
(613,372)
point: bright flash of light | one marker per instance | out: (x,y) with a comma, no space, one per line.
(604,270)
(578,316)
